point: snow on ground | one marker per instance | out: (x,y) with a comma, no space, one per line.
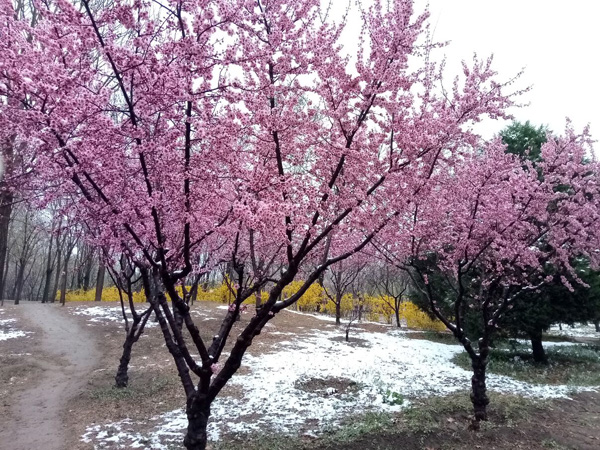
(547,344)
(385,366)
(8,330)
(579,331)
(102,314)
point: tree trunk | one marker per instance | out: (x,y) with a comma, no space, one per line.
(100,282)
(65,274)
(198,413)
(48,272)
(122,376)
(6,199)
(338,312)
(5,274)
(597,325)
(19,281)
(258,299)
(194,292)
(479,396)
(539,355)
(57,275)
(397,313)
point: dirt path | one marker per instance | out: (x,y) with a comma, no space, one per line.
(67,354)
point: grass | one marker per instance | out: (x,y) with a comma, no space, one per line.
(576,365)
(425,417)
(552,444)
(432,414)
(434,336)
(137,390)
(360,426)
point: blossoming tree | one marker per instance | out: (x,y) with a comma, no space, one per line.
(489,229)
(240,128)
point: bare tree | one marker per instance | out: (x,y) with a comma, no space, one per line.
(339,282)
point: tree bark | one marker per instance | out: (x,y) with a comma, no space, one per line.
(100,282)
(338,311)
(6,207)
(133,334)
(198,413)
(65,274)
(6,199)
(19,280)
(479,397)
(258,299)
(48,271)
(397,313)
(57,275)
(122,376)
(597,325)
(539,355)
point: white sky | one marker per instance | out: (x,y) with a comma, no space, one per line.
(557,42)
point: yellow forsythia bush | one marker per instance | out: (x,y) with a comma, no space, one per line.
(109,294)
(346,305)
(415,318)
(379,308)
(310,300)
(221,294)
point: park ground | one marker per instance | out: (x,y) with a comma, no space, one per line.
(301,387)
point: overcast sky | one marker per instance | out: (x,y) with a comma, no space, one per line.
(557,42)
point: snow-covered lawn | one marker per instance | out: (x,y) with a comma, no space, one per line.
(579,331)
(385,367)
(8,329)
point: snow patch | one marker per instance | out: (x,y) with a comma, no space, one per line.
(578,331)
(102,314)
(387,371)
(9,331)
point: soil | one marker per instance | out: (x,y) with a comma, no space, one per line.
(64,356)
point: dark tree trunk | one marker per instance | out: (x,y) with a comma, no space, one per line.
(479,397)
(597,325)
(194,293)
(65,274)
(539,355)
(6,199)
(338,311)
(198,413)
(321,279)
(6,207)
(19,280)
(14,288)
(63,286)
(57,275)
(48,271)
(86,278)
(5,274)
(100,282)
(122,377)
(397,313)
(258,299)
